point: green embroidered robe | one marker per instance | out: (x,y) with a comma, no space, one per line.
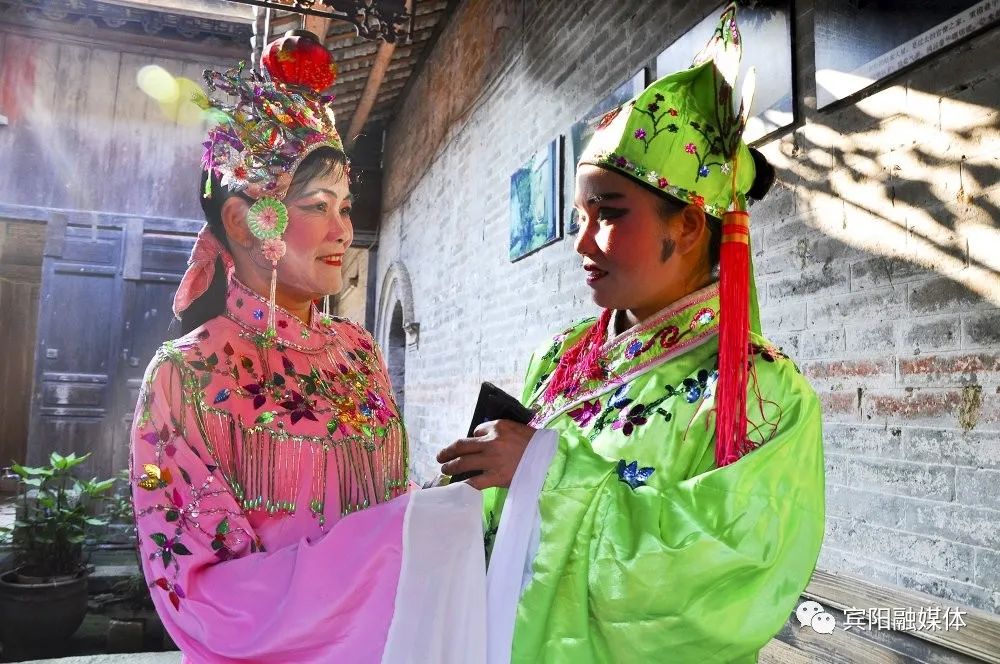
(646,551)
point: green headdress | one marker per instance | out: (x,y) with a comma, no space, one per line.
(683,137)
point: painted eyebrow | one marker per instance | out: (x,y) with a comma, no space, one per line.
(606,196)
(349,197)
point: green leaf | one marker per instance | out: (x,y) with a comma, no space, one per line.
(216,545)
(96,522)
(57,460)
(223,527)
(332,425)
(167,557)
(199,365)
(73,460)
(205,380)
(33,481)
(180,549)
(101,487)
(26,471)
(172,515)
(265,418)
(212,360)
(159,538)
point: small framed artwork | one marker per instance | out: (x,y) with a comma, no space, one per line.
(534,203)
(767,46)
(859,43)
(580,133)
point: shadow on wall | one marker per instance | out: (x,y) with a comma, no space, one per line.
(893,224)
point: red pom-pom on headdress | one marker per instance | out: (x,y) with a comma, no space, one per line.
(300,59)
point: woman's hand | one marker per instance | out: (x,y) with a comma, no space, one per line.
(496,450)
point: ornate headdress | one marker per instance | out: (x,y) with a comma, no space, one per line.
(683,137)
(270,122)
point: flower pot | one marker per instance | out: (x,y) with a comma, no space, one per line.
(40,611)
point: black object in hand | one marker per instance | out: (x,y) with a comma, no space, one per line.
(493,404)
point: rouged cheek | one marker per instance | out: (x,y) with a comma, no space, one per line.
(631,249)
(303,237)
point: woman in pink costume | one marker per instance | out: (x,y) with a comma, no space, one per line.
(269,459)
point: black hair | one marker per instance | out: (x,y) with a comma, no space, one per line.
(762,182)
(212,302)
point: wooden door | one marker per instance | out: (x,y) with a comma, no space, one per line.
(107,286)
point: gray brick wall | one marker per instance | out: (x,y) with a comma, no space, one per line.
(877,260)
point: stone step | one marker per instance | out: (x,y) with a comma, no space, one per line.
(124,658)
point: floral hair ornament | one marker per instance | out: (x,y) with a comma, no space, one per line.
(266,125)
(683,137)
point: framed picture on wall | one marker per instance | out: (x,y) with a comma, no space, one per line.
(579,135)
(767,46)
(859,43)
(534,203)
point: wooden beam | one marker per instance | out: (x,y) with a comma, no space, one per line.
(316,25)
(216,10)
(382,59)
(370,93)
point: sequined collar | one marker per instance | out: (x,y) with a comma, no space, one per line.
(249,311)
(675,329)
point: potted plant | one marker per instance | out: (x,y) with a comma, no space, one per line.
(119,514)
(45,596)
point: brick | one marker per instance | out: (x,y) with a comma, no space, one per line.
(858,563)
(826,279)
(789,230)
(971,525)
(863,440)
(981,330)
(865,339)
(942,295)
(868,506)
(889,476)
(926,554)
(987,570)
(822,343)
(933,406)
(840,374)
(788,343)
(945,369)
(782,318)
(978,486)
(921,335)
(952,446)
(885,271)
(955,592)
(880,305)
(840,405)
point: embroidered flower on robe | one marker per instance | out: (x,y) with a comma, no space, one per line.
(299,407)
(632,474)
(174,591)
(629,420)
(587,411)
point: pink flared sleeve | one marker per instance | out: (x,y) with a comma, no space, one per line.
(221,595)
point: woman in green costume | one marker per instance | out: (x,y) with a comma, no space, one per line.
(667,503)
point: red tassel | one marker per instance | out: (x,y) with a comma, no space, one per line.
(734,339)
(580,362)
